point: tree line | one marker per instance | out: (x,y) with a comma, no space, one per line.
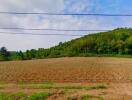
(115,42)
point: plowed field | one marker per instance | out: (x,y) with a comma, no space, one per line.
(76,69)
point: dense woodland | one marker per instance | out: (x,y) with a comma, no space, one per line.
(111,43)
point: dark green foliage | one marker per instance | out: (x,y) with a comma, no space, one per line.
(4,54)
(17,56)
(112,43)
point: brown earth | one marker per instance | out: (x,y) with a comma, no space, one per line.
(78,69)
(113,91)
(116,73)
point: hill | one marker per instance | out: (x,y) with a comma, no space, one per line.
(117,42)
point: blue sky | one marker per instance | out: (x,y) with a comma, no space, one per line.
(101,6)
(22,42)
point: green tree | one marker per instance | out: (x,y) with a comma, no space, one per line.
(28,55)
(4,53)
(21,55)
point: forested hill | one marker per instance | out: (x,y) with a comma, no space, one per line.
(115,42)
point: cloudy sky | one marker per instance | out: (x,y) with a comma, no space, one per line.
(23,42)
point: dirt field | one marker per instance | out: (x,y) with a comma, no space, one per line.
(71,91)
(68,70)
(71,78)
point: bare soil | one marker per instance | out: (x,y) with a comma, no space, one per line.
(77,69)
(114,91)
(116,73)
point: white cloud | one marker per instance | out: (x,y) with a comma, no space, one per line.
(23,42)
(17,42)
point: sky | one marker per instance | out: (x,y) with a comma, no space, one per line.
(24,42)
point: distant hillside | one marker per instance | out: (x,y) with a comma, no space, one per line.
(118,41)
(115,42)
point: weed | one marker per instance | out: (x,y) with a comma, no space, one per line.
(48,86)
(22,96)
(89,97)
(38,96)
(16,96)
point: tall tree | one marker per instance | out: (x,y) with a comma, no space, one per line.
(4,53)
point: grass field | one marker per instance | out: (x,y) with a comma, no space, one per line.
(77,78)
